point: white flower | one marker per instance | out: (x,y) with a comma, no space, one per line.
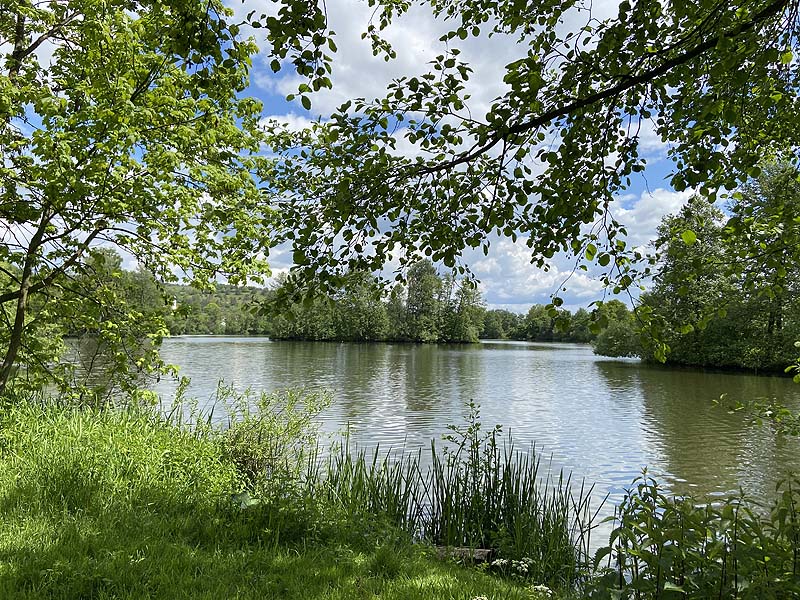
(540,592)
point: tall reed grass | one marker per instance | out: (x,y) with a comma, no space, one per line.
(477,490)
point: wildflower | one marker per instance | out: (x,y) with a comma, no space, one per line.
(540,592)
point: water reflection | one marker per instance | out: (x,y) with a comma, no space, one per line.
(702,449)
(605,420)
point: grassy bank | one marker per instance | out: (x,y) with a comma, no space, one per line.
(125,504)
(122,505)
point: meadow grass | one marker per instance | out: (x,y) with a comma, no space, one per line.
(120,504)
(127,504)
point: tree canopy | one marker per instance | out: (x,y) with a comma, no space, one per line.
(716,81)
(128,123)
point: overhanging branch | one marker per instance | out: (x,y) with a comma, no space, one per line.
(772,9)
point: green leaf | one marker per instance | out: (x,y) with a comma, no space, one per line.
(672,587)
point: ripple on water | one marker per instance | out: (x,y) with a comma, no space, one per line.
(602,419)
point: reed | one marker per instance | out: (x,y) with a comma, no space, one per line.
(477,490)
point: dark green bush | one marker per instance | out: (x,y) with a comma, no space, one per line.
(666,547)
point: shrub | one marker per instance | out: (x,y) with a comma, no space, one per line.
(665,547)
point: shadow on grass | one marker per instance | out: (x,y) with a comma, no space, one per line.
(75,531)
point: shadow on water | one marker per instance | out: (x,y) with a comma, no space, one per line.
(701,449)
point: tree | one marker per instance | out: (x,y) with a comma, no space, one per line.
(765,225)
(499,324)
(538,324)
(717,81)
(117,329)
(462,312)
(360,313)
(720,298)
(580,326)
(124,122)
(618,338)
(423,304)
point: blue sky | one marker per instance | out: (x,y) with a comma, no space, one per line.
(507,278)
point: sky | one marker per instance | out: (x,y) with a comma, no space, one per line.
(507,278)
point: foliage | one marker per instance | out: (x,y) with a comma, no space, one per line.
(477,493)
(270,437)
(710,306)
(499,324)
(124,123)
(548,157)
(227,309)
(540,324)
(618,337)
(423,292)
(663,547)
(432,308)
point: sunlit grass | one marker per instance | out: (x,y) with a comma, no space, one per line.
(120,505)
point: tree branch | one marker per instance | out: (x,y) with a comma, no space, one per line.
(770,10)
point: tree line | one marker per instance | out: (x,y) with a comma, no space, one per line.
(430,308)
(706,306)
(709,304)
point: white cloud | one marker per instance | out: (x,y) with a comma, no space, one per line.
(643,217)
(508,279)
(415,37)
(292,121)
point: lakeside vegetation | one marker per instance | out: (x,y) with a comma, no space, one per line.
(429,308)
(123,503)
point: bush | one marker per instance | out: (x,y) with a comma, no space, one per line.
(664,547)
(271,437)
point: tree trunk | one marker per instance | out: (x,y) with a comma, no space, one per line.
(15,339)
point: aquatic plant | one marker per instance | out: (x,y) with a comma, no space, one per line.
(476,491)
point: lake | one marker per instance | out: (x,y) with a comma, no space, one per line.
(603,419)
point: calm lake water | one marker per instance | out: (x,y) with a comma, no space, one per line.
(602,419)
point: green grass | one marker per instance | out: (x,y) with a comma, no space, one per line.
(482,494)
(121,505)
